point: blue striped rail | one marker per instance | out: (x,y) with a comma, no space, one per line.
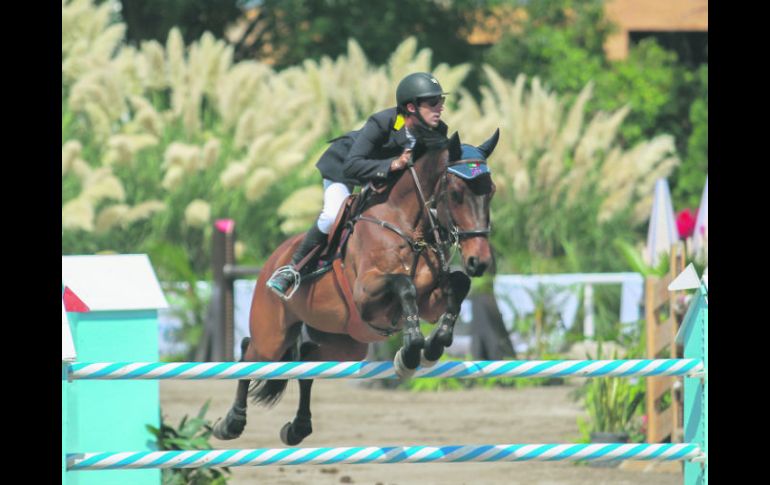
(693,334)
(357,455)
(384,370)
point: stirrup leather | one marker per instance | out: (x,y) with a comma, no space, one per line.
(294,274)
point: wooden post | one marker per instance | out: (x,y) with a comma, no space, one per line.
(661,340)
(218,341)
(677,264)
(223,256)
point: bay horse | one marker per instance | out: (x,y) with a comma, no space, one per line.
(397,261)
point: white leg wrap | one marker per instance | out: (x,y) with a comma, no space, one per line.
(401,370)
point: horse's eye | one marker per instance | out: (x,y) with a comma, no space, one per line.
(457,196)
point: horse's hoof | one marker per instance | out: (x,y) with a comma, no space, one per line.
(431,352)
(228,431)
(445,340)
(445,335)
(290,438)
(400,367)
(425,362)
(231,426)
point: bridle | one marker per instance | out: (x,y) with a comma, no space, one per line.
(455,232)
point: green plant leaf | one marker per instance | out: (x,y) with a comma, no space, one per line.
(633,258)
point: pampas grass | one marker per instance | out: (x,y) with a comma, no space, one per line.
(301,209)
(77,215)
(186,124)
(197,214)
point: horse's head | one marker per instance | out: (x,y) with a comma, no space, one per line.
(463,207)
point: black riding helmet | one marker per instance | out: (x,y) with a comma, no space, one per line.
(417,85)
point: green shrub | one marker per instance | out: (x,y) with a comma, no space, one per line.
(191,434)
(613,404)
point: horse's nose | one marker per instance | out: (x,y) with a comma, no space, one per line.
(475,267)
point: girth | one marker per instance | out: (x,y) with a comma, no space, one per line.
(417,245)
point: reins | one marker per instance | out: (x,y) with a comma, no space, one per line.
(440,245)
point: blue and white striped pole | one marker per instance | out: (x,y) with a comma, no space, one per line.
(384,370)
(357,455)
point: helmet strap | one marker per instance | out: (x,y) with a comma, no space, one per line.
(418,115)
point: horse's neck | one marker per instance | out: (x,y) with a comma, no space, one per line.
(405,196)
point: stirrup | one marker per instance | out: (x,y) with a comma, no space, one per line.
(288,269)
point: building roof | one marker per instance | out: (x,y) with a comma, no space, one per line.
(113,282)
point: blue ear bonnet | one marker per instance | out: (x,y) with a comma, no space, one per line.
(470,152)
(472,163)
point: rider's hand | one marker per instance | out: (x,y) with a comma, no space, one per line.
(400,162)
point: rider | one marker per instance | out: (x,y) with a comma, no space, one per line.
(367,155)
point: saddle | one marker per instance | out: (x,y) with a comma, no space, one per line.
(340,231)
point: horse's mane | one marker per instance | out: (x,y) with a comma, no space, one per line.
(427,140)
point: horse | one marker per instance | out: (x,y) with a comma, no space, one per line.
(397,260)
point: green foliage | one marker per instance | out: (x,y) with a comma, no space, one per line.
(691,176)
(483,285)
(290,31)
(539,235)
(649,80)
(191,434)
(533,55)
(144,141)
(635,262)
(149,20)
(613,403)
(173,265)
(435,384)
(561,42)
(544,325)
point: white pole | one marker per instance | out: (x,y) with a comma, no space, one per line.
(588,306)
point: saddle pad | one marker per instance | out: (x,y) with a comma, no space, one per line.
(335,234)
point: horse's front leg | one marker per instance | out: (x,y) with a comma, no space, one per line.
(374,294)
(455,289)
(408,356)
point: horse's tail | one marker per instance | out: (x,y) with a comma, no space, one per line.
(269,392)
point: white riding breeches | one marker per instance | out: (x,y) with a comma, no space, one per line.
(335,194)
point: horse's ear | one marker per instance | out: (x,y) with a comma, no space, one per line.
(455,152)
(489,146)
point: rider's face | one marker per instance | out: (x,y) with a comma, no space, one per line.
(431,114)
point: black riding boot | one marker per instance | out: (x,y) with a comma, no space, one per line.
(287,276)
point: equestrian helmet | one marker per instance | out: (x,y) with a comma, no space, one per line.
(417,85)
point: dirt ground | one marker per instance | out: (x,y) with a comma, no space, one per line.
(347,414)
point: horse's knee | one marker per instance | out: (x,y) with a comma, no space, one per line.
(404,287)
(460,283)
(399,285)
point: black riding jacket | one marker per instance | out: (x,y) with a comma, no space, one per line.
(365,155)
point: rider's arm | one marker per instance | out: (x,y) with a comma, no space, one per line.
(358,164)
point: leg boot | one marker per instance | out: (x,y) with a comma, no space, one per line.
(287,277)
